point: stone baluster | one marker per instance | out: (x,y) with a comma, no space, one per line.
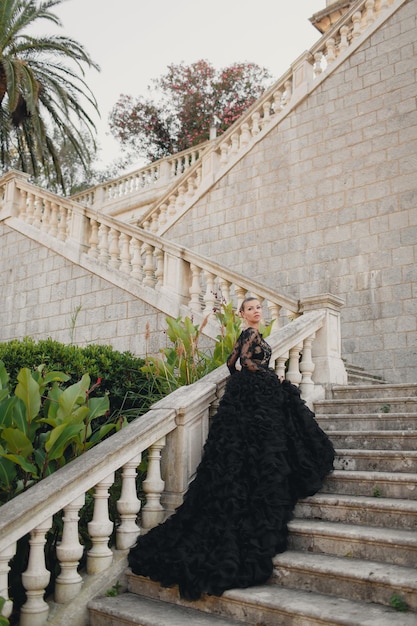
(36,578)
(280,366)
(128,506)
(180,201)
(22,210)
(125,253)
(172,205)
(100,557)
(245,136)
(344,44)
(94,239)
(5,557)
(190,187)
(30,208)
(153,486)
(240,295)
(224,153)
(256,123)
(266,108)
(69,552)
(369,15)
(307,368)
(173,168)
(317,63)
(209,296)
(356,20)
(225,290)
(136,251)
(114,248)
(287,92)
(103,245)
(146,225)
(53,230)
(163,214)
(235,144)
(277,101)
(330,50)
(159,268)
(63,223)
(46,216)
(37,215)
(293,372)
(149,266)
(195,288)
(274,312)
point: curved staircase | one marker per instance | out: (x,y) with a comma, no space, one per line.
(353,546)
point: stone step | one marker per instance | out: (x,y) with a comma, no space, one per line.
(377,484)
(353,579)
(367,405)
(374,391)
(368,421)
(272,605)
(398,547)
(376,460)
(375,439)
(128,608)
(361,510)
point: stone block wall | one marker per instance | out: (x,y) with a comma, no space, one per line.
(45,295)
(327,202)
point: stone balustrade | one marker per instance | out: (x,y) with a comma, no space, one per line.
(157,175)
(173,432)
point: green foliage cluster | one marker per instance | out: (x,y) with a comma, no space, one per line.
(43,426)
(184,362)
(119,373)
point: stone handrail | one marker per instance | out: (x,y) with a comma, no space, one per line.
(305,74)
(177,427)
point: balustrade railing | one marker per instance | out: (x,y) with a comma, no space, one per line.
(158,174)
(173,432)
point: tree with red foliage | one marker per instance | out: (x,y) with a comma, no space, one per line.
(191,98)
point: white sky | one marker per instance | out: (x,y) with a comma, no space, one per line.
(134,41)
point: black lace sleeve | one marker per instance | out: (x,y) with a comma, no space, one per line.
(253,351)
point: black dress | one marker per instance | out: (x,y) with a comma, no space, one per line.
(264,451)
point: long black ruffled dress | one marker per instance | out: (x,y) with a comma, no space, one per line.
(264,451)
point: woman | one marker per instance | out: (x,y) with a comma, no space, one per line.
(264,452)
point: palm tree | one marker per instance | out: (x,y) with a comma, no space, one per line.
(42,90)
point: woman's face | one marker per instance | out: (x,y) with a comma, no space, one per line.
(252,312)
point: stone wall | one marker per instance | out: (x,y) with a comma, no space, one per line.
(44,295)
(327,202)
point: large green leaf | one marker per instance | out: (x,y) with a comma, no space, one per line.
(60,438)
(26,465)
(98,406)
(60,377)
(27,390)
(72,397)
(4,376)
(6,411)
(7,473)
(17,442)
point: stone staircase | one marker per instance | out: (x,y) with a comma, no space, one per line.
(353,547)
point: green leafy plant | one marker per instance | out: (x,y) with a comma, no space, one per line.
(3,620)
(385,408)
(114,590)
(43,426)
(377,493)
(398,603)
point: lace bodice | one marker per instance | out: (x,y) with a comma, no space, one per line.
(252,350)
